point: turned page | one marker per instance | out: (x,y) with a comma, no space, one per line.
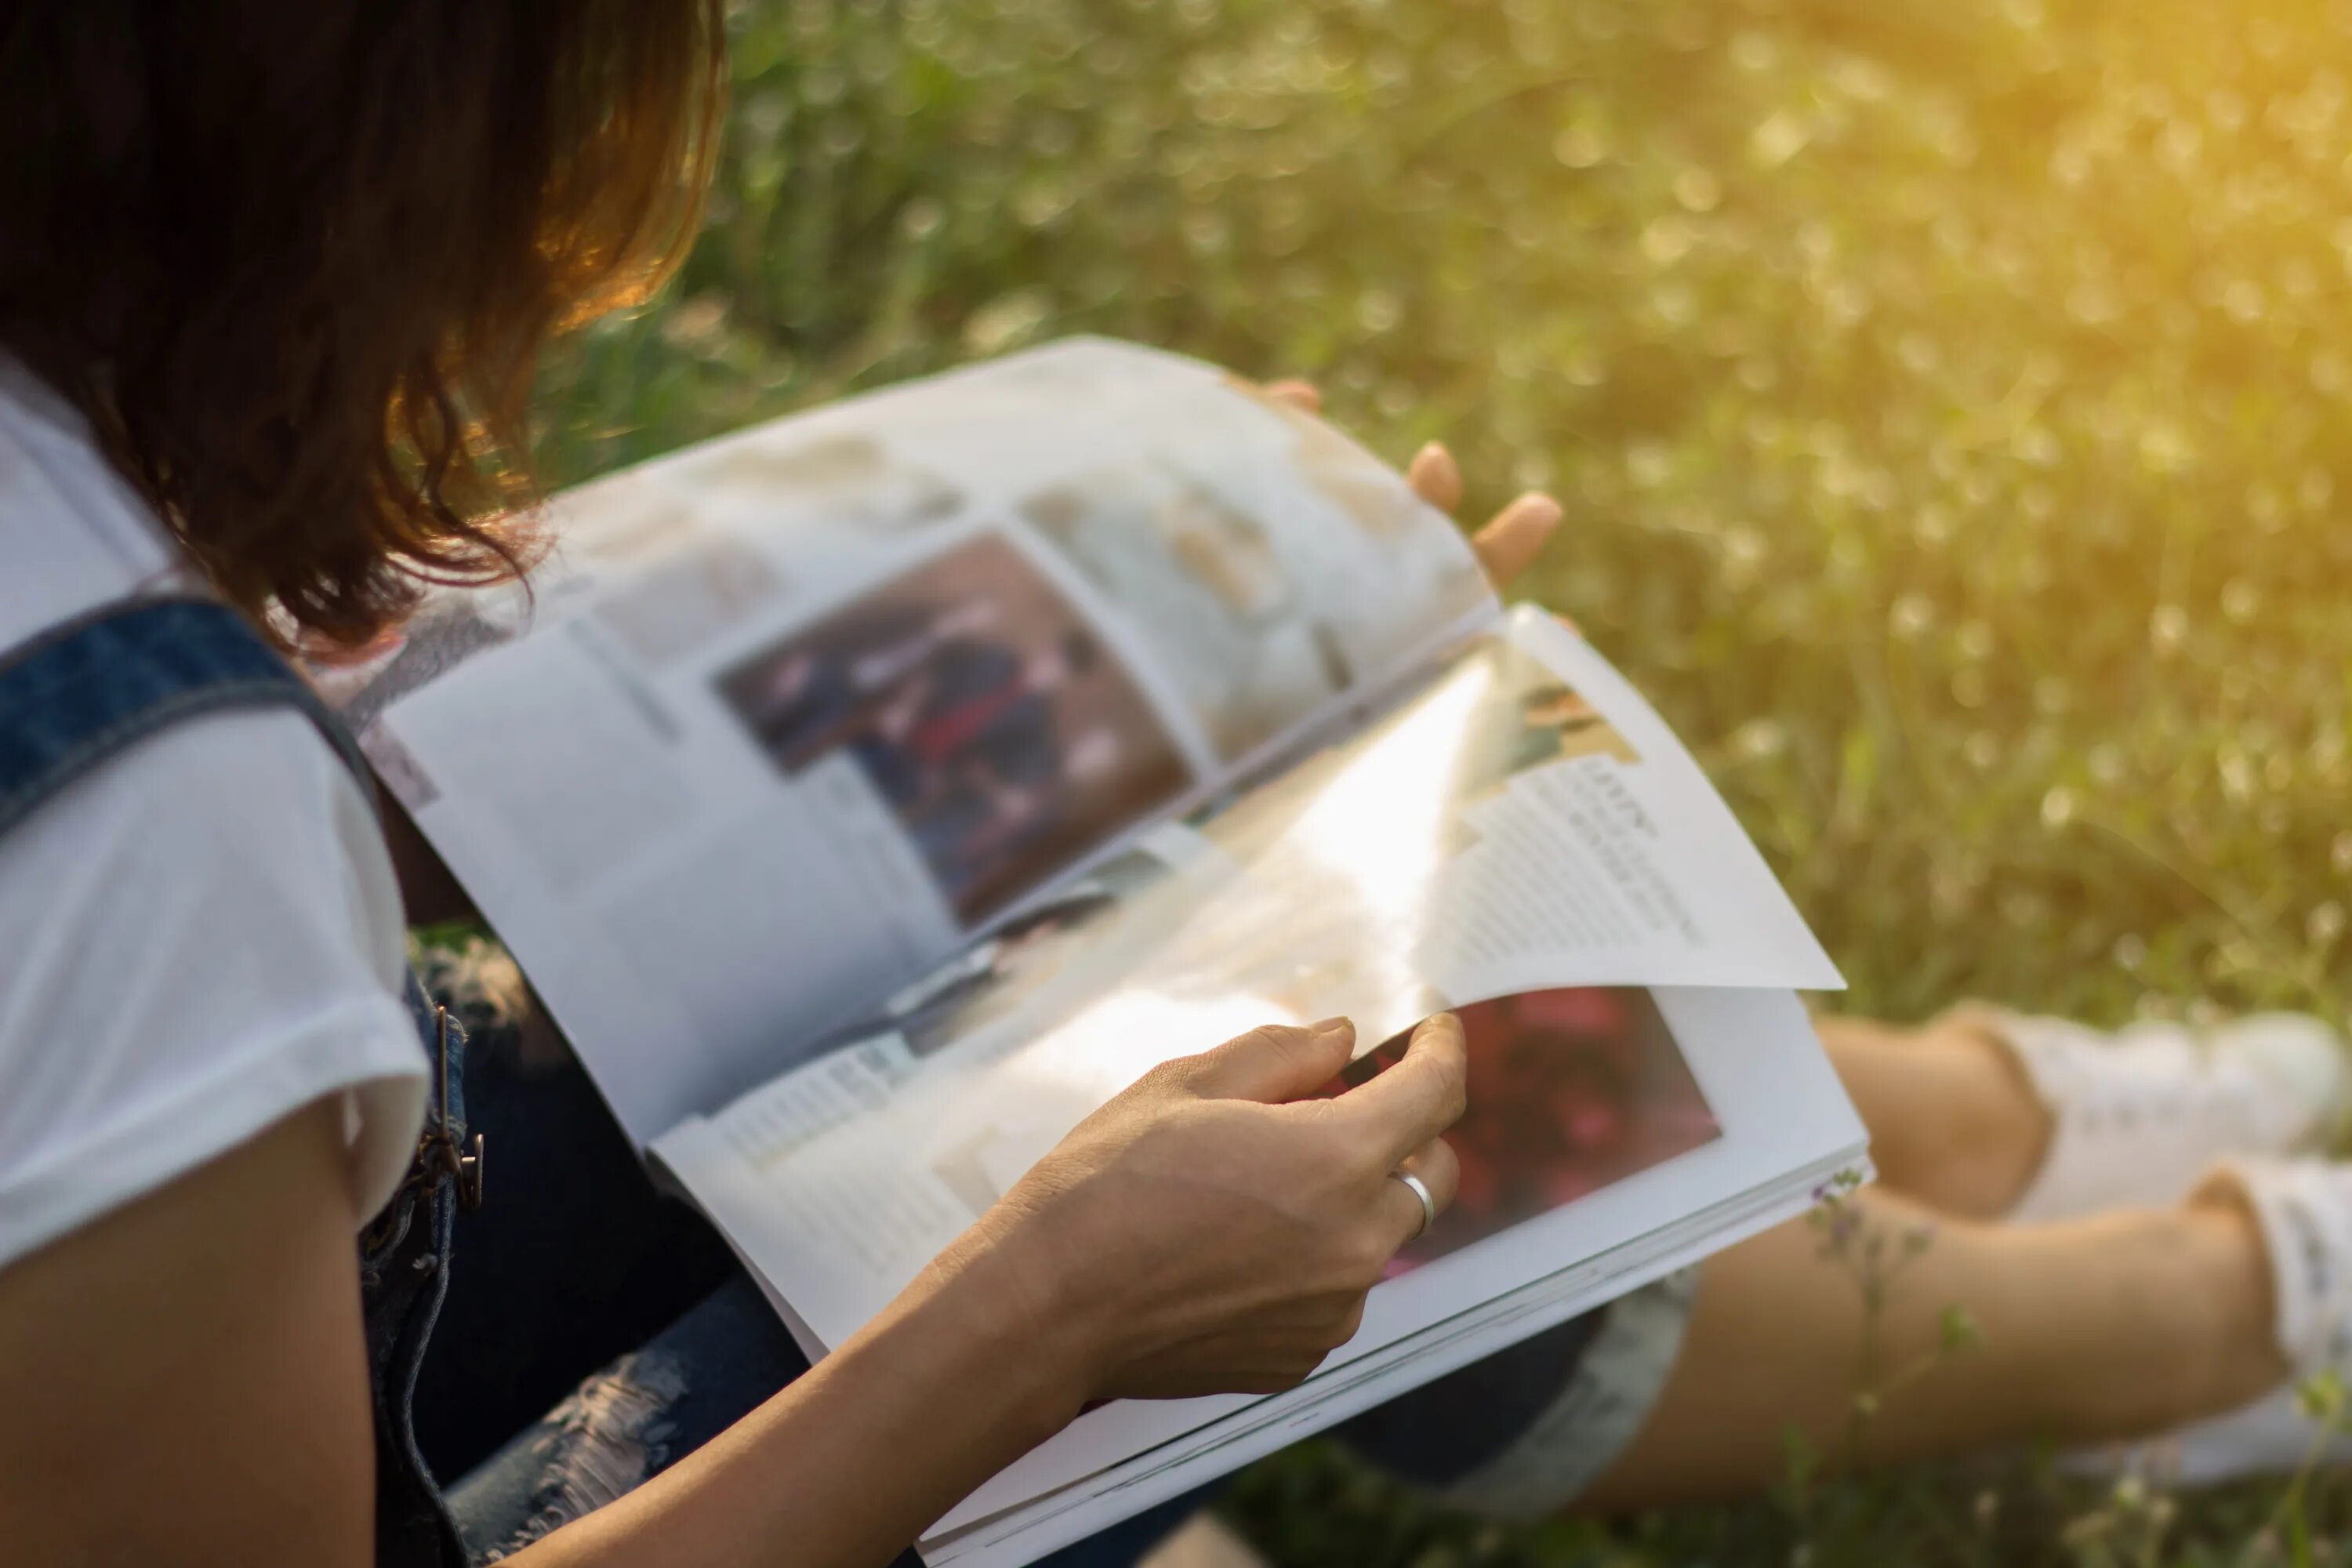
(803,710)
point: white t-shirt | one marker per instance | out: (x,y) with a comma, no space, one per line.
(200,936)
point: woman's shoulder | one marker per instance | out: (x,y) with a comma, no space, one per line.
(204,931)
(205,936)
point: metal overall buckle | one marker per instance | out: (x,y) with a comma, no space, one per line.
(444,1150)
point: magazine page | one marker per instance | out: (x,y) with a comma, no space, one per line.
(802,711)
(1523,829)
(1612,1134)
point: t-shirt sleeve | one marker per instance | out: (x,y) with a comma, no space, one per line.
(198,939)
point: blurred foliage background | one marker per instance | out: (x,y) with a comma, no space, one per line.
(1952,402)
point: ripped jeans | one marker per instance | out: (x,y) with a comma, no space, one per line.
(594,1331)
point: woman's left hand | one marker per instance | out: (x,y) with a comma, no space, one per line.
(1511,539)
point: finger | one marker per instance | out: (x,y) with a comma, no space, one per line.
(1435,477)
(1508,545)
(1342,1329)
(1439,1169)
(1420,1097)
(1276,1063)
(1434,1165)
(1303,394)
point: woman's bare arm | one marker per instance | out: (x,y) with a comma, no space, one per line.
(184,1381)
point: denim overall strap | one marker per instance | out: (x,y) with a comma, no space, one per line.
(91,686)
(89,690)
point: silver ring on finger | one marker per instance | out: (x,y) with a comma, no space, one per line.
(1419,1189)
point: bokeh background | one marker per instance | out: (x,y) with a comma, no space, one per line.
(1952,400)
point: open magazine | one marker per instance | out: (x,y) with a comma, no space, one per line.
(871,795)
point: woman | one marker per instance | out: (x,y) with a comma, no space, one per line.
(271,289)
(272,284)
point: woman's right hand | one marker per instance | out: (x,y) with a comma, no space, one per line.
(1216,1227)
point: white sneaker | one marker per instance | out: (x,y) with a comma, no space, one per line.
(2141,1118)
(2304,1208)
(2139,1115)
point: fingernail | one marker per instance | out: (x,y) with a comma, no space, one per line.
(1330,1026)
(1430,451)
(1442,1021)
(1535,503)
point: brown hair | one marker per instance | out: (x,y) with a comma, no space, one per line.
(295,259)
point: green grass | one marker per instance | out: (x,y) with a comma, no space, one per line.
(1953,404)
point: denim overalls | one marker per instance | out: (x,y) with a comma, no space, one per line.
(94,687)
(581,1238)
